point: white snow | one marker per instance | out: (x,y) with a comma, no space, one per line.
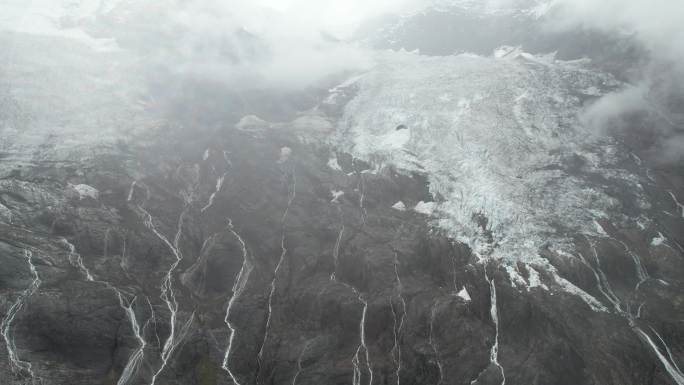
(56,18)
(494,312)
(541,9)
(85,191)
(464,294)
(285,153)
(659,240)
(311,124)
(426,208)
(332,163)
(212,197)
(599,229)
(394,140)
(517,280)
(667,361)
(335,92)
(642,223)
(506,50)
(399,206)
(251,123)
(514,276)
(534,279)
(680,207)
(5,213)
(16,363)
(336,195)
(591,91)
(569,287)
(492,146)
(532,8)
(238,287)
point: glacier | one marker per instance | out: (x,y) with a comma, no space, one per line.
(510,164)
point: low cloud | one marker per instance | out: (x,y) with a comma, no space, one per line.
(657,92)
(670,151)
(284,44)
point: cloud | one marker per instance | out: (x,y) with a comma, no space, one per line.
(655,23)
(294,44)
(611,110)
(670,151)
(285,44)
(657,90)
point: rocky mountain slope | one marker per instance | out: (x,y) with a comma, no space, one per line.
(209,236)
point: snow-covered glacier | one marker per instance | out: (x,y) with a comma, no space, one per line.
(501,138)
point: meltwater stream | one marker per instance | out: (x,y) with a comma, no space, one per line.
(19,366)
(128,305)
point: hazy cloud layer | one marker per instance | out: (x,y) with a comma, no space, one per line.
(658,91)
(274,43)
(293,44)
(655,23)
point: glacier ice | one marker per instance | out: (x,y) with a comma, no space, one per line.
(500,141)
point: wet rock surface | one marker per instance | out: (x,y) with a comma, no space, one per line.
(318,289)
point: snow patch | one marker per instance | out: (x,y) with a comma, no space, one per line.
(251,123)
(541,9)
(591,91)
(394,140)
(492,147)
(85,191)
(285,153)
(426,208)
(599,229)
(333,164)
(336,195)
(69,20)
(5,213)
(507,51)
(515,277)
(569,287)
(399,206)
(659,240)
